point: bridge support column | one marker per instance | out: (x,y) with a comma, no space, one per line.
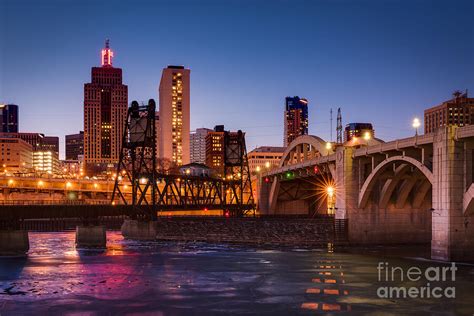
(139,230)
(91,236)
(264,196)
(14,242)
(346,183)
(452,231)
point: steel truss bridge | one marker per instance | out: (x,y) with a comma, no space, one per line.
(140,189)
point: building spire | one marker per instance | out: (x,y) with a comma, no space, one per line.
(107,55)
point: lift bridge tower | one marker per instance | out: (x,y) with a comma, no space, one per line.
(136,170)
(138,183)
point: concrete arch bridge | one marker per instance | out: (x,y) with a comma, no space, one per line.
(412,190)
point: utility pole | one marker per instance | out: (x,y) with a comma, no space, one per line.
(339,126)
(330,115)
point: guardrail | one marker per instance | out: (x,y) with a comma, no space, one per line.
(53,202)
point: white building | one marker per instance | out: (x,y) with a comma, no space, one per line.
(198,145)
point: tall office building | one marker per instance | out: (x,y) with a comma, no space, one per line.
(215,149)
(174,96)
(74,146)
(105,111)
(458,111)
(296,118)
(9,118)
(358,130)
(50,143)
(198,145)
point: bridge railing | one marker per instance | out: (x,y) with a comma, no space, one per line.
(53,202)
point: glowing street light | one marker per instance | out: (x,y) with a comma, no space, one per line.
(328,146)
(416,124)
(267,164)
(330,191)
(367,136)
(258,169)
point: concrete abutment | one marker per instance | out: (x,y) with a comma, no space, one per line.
(14,242)
(139,230)
(91,237)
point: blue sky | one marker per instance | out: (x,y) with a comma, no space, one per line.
(380,61)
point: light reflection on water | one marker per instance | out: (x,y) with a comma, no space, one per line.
(175,278)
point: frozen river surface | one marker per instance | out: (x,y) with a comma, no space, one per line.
(152,278)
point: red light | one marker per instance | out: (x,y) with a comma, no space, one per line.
(107,54)
(227,214)
(316,170)
(205,209)
(267,180)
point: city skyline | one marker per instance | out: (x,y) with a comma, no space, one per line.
(253,66)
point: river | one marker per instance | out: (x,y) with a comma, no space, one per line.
(156,278)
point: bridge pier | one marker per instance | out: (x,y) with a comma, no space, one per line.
(91,237)
(453,231)
(14,242)
(139,229)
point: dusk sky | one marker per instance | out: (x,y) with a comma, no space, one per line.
(382,62)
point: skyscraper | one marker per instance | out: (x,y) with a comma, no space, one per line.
(174,96)
(9,118)
(105,111)
(296,118)
(198,145)
(74,146)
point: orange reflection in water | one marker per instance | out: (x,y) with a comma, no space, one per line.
(313,306)
(313,291)
(331,291)
(331,307)
(330,281)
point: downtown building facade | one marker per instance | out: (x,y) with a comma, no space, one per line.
(9,118)
(174,111)
(105,111)
(458,111)
(74,146)
(198,145)
(295,119)
(50,143)
(16,155)
(264,158)
(358,130)
(46,162)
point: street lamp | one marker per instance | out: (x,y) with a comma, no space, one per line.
(416,123)
(330,191)
(328,147)
(367,137)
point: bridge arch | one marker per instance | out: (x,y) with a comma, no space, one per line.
(303,148)
(389,186)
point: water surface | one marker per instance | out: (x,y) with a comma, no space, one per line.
(155,278)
